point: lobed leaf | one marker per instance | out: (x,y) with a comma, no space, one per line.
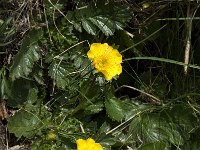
(106,17)
(60,73)
(19,91)
(23,124)
(27,55)
(155,146)
(94,108)
(106,141)
(88,26)
(116,109)
(152,128)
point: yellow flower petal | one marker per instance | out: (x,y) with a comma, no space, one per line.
(105,59)
(117,56)
(107,75)
(81,144)
(88,144)
(119,69)
(96,50)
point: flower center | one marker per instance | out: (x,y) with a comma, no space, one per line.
(101,63)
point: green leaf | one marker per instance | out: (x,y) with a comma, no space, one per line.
(106,141)
(116,109)
(32,96)
(27,56)
(104,24)
(101,15)
(19,91)
(94,108)
(90,89)
(4,85)
(105,127)
(24,124)
(183,115)
(81,63)
(153,128)
(154,146)
(39,144)
(59,72)
(89,27)
(6,33)
(38,75)
(192,144)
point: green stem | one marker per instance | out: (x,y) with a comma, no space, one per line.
(164,60)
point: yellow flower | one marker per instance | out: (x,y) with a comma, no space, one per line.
(105,59)
(51,136)
(88,144)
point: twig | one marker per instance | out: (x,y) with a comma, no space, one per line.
(82,129)
(60,12)
(70,48)
(122,123)
(188,40)
(154,99)
(47,23)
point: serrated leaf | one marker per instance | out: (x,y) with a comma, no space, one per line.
(27,55)
(32,96)
(152,128)
(116,109)
(24,124)
(105,127)
(60,73)
(39,144)
(118,25)
(137,108)
(94,108)
(89,27)
(77,26)
(191,145)
(155,146)
(183,116)
(106,141)
(90,89)
(82,63)
(38,76)
(107,17)
(19,91)
(104,24)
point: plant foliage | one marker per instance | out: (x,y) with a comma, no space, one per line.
(55,96)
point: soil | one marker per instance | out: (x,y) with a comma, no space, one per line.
(2,136)
(9,141)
